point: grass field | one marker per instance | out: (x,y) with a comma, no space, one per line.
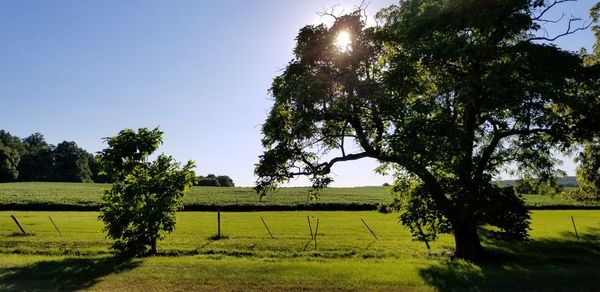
(340,235)
(86,196)
(347,256)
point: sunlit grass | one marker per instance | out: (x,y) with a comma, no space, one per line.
(347,256)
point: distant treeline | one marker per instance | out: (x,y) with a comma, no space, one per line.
(567,181)
(212,180)
(33,159)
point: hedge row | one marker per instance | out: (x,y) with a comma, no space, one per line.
(254,207)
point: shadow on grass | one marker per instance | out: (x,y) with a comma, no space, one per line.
(557,264)
(66,274)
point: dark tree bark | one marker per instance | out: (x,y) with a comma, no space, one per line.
(466,239)
(152,246)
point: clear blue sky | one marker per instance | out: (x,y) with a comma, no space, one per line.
(83,70)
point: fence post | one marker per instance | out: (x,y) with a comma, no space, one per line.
(56,227)
(18,224)
(316,230)
(263,221)
(310,227)
(218,224)
(574,227)
(363,221)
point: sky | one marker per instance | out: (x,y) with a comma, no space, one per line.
(200,70)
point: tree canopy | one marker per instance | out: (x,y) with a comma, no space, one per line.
(588,171)
(212,180)
(33,159)
(443,93)
(142,202)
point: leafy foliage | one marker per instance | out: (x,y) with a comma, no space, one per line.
(588,173)
(36,160)
(212,180)
(9,159)
(526,185)
(418,212)
(71,163)
(143,200)
(529,185)
(447,91)
(9,156)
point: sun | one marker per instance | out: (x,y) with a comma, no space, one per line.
(343,41)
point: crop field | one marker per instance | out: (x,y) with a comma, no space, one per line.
(346,255)
(86,196)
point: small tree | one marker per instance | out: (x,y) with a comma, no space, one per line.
(143,200)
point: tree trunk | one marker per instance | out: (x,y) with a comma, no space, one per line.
(468,246)
(153,246)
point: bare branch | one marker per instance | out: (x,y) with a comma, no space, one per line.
(342,139)
(552,20)
(332,12)
(329,13)
(570,30)
(548,8)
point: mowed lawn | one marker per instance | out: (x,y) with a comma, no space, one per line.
(347,255)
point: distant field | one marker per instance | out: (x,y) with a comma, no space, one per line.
(86,196)
(347,256)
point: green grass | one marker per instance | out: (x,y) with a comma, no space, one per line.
(86,196)
(207,273)
(340,235)
(347,256)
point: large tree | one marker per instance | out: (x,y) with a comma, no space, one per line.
(10,149)
(9,159)
(71,163)
(588,171)
(445,93)
(37,162)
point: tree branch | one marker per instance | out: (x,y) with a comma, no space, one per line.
(325,167)
(487,153)
(556,2)
(569,31)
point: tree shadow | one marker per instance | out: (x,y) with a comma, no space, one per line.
(553,264)
(66,274)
